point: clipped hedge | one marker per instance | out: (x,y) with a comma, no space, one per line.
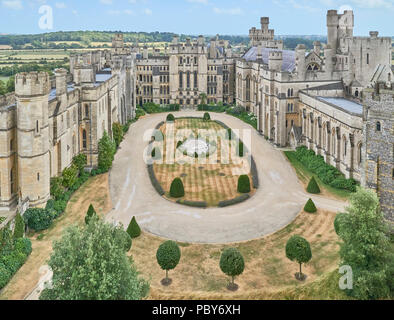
(254,173)
(38,219)
(236,200)
(151,107)
(313,187)
(196,204)
(326,173)
(310,206)
(134,229)
(176,189)
(170,117)
(206,117)
(243,184)
(154,180)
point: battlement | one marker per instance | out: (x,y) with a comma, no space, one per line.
(32,84)
(275,55)
(381,93)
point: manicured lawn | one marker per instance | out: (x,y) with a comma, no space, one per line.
(304,174)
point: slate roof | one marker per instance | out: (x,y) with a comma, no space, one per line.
(288,57)
(345,104)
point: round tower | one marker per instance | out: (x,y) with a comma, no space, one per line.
(61,81)
(332,28)
(275,60)
(31,91)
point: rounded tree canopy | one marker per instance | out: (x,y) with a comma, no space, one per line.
(170,117)
(231,262)
(298,249)
(176,189)
(339,219)
(168,255)
(243,184)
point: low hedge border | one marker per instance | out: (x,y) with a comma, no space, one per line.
(196,204)
(236,200)
(154,180)
(254,173)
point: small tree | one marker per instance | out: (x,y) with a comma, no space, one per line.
(206,117)
(133,229)
(243,184)
(170,118)
(203,98)
(229,134)
(70,176)
(339,218)
(117,132)
(80,162)
(313,187)
(38,219)
(240,149)
(310,207)
(90,213)
(298,249)
(179,144)
(177,190)
(19,229)
(106,152)
(232,264)
(168,256)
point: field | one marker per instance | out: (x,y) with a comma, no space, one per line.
(211,179)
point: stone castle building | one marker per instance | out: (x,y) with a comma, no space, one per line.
(332,99)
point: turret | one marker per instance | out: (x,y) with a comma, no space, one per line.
(32,90)
(145,53)
(175,40)
(317,47)
(61,81)
(300,61)
(328,59)
(265,21)
(200,40)
(84,75)
(212,49)
(332,28)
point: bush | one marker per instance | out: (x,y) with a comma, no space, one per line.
(298,249)
(117,133)
(23,245)
(57,188)
(168,255)
(254,173)
(106,152)
(177,190)
(123,238)
(241,198)
(196,204)
(230,134)
(179,143)
(13,261)
(19,229)
(154,180)
(232,263)
(310,207)
(243,184)
(90,214)
(206,117)
(339,218)
(134,229)
(59,207)
(38,219)
(80,161)
(313,187)
(70,176)
(170,117)
(5,276)
(240,149)
(156,154)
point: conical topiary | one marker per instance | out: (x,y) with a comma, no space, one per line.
(177,190)
(313,187)
(170,117)
(310,206)
(90,214)
(133,229)
(156,154)
(19,229)
(206,117)
(243,184)
(240,150)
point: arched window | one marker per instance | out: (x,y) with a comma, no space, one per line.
(248,88)
(356,93)
(378,126)
(84,139)
(86,111)
(180,79)
(360,154)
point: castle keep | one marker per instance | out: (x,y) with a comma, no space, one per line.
(336,99)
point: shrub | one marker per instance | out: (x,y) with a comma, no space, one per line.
(241,198)
(70,176)
(90,214)
(240,149)
(19,229)
(57,188)
(206,117)
(5,276)
(196,204)
(123,238)
(13,261)
(339,218)
(134,229)
(170,117)
(310,207)
(229,134)
(298,249)
(243,184)
(254,173)
(23,245)
(313,187)
(168,255)
(106,152)
(179,143)
(156,154)
(177,190)
(232,263)
(117,133)
(38,219)
(60,206)
(80,161)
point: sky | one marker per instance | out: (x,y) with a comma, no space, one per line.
(194,17)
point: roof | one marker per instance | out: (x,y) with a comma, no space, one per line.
(288,57)
(331,86)
(102,77)
(345,104)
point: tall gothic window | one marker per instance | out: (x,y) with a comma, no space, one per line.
(181,79)
(84,139)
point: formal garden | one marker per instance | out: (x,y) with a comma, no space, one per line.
(200,162)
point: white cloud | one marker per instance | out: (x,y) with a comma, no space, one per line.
(230,11)
(107,2)
(372,4)
(148,11)
(12,4)
(198,1)
(344,7)
(60,5)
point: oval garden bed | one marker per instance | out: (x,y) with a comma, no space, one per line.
(206,156)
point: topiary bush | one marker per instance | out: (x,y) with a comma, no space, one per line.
(232,264)
(229,134)
(243,184)
(23,245)
(134,229)
(298,249)
(206,116)
(240,149)
(170,117)
(313,187)
(19,229)
(339,219)
(90,214)
(123,238)
(310,207)
(38,219)
(177,190)
(168,256)
(179,143)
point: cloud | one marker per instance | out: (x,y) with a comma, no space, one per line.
(198,1)
(106,2)
(12,4)
(374,4)
(60,5)
(344,7)
(302,5)
(148,11)
(230,11)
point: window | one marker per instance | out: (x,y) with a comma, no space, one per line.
(37,127)
(11,144)
(181,79)
(195,80)
(188,79)
(378,126)
(84,139)
(367,58)
(86,111)
(38,176)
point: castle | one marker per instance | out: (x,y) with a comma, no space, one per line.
(336,99)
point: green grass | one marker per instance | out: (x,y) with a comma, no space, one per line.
(305,174)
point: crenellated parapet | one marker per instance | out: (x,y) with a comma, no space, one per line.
(32,84)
